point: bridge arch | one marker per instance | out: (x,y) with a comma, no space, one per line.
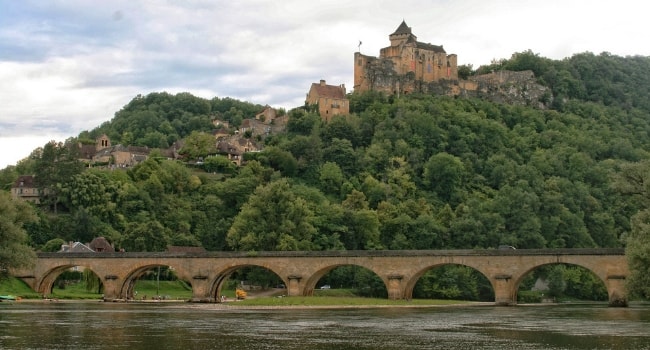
(411,283)
(127,289)
(531,269)
(46,283)
(312,280)
(216,284)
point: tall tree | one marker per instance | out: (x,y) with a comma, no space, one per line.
(199,145)
(634,180)
(14,252)
(274,218)
(56,166)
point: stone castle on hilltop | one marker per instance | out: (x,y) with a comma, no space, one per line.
(410,66)
(403,66)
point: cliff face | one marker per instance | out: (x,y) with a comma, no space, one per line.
(516,88)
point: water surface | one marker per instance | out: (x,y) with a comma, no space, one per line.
(189,326)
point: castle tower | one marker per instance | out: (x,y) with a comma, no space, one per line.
(401,35)
(102,142)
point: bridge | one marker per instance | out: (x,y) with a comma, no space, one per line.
(301,271)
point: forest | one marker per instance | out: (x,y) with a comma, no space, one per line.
(414,172)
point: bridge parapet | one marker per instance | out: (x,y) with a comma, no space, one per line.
(345,253)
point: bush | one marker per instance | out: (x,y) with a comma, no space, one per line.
(529,296)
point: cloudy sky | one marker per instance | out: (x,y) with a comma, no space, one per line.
(69,65)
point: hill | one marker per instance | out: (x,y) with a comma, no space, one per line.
(415,172)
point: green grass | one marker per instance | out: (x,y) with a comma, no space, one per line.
(341,301)
(16,287)
(74,291)
(180,290)
(174,290)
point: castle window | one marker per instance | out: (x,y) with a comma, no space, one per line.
(359,63)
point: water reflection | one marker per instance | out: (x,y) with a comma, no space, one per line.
(185,326)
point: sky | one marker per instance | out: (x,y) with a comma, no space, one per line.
(68,65)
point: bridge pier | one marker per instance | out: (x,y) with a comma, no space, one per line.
(395,287)
(112,288)
(201,290)
(504,295)
(294,288)
(616,290)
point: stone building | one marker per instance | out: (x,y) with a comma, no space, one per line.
(330,99)
(404,66)
(234,148)
(24,188)
(267,115)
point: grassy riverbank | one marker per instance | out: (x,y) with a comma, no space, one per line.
(176,290)
(324,301)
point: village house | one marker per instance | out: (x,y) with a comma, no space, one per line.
(101,245)
(234,148)
(97,245)
(75,247)
(267,115)
(122,156)
(256,128)
(24,188)
(330,99)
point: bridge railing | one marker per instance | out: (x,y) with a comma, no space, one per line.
(344,253)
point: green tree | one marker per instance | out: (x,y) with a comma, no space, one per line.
(633,180)
(145,236)
(219,164)
(638,255)
(57,164)
(464,71)
(53,245)
(443,173)
(92,281)
(331,178)
(199,145)
(556,281)
(274,218)
(14,251)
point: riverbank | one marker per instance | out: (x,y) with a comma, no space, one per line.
(273,303)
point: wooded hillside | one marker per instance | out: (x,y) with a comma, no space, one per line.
(418,172)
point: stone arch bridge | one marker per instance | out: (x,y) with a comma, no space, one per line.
(301,271)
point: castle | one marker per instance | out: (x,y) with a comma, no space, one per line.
(404,66)
(409,66)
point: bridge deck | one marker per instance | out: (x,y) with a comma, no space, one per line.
(347,253)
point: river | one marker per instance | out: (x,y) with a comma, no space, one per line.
(151,326)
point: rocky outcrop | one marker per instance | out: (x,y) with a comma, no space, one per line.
(516,88)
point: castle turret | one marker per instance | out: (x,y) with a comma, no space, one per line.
(401,35)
